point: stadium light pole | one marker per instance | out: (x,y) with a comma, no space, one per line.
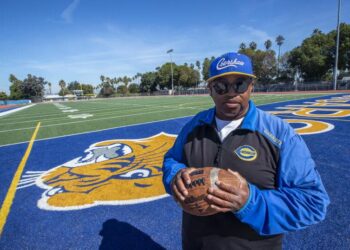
(171,68)
(336,50)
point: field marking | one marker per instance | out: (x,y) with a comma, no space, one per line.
(107,118)
(80,116)
(106,111)
(311,118)
(174,118)
(97,119)
(60,117)
(70,110)
(6,206)
(95,131)
(304,98)
(15,110)
(109,103)
(112,104)
(191,103)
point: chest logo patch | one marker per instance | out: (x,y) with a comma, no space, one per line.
(246,153)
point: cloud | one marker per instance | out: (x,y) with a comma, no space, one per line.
(67,14)
(114,51)
(259,36)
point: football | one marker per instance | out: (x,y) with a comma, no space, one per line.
(201,180)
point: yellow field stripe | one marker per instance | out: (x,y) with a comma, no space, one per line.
(6,206)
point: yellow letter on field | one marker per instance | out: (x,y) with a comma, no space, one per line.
(311,126)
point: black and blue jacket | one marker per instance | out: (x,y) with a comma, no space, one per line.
(286,191)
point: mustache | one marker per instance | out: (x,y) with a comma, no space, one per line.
(231,99)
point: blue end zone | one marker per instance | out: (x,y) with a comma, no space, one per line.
(155,224)
(81,229)
(10,158)
(331,152)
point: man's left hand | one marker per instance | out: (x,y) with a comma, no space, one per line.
(226,197)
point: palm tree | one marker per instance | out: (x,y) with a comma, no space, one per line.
(279,40)
(198,64)
(102,78)
(49,83)
(138,76)
(242,46)
(62,84)
(126,80)
(268,44)
(253,45)
(317,32)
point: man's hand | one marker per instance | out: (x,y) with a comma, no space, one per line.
(179,182)
(227,197)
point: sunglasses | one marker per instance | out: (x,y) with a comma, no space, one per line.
(239,86)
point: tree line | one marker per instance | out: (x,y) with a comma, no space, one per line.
(34,88)
(312,60)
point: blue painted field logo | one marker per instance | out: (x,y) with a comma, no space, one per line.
(114,172)
(246,153)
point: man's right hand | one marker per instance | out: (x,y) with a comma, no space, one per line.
(179,182)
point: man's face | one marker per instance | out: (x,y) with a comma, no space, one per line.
(231,105)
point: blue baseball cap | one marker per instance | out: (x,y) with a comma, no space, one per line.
(231,63)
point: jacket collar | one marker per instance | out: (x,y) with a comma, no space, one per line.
(249,121)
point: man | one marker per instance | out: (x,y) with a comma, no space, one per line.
(282,190)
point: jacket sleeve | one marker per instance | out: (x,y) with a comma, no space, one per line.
(300,199)
(173,160)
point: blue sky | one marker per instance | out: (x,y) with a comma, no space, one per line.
(82,39)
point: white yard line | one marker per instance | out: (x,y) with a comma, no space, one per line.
(97,119)
(136,124)
(104,112)
(120,116)
(89,110)
(15,110)
(98,114)
(94,131)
